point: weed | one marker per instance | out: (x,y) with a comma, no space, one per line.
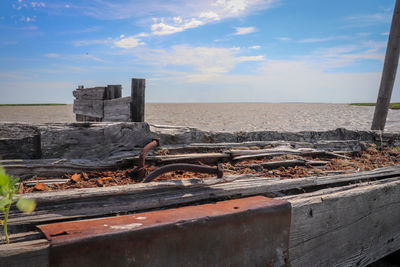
(8,189)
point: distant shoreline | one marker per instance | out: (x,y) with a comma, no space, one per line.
(391,105)
(44,104)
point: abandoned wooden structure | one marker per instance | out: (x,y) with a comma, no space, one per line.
(106,104)
(337,220)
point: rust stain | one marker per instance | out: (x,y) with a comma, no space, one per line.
(246,231)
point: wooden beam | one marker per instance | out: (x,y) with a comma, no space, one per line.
(137,94)
(389,72)
(117,109)
(353,225)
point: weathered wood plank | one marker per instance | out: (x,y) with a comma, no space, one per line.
(285,163)
(113,91)
(19,141)
(137,94)
(93,108)
(118,109)
(81,203)
(30,253)
(96,93)
(348,226)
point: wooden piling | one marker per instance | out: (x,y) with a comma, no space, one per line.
(137,95)
(389,72)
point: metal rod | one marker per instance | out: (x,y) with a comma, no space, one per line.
(143,153)
(219,170)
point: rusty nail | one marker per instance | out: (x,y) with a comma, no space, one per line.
(143,153)
(219,170)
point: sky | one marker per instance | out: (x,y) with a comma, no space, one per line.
(195,50)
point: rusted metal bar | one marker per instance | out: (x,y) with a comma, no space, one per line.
(251,231)
(143,153)
(219,170)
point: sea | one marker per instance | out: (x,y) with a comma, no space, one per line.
(228,116)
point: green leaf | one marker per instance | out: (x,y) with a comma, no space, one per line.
(4,178)
(26,205)
(4,202)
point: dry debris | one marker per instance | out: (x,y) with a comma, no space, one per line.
(368,159)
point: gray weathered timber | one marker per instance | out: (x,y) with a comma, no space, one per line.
(25,169)
(92,108)
(19,142)
(93,140)
(138,104)
(389,72)
(113,91)
(96,93)
(89,202)
(118,109)
(33,253)
(349,226)
(105,139)
(188,135)
(84,118)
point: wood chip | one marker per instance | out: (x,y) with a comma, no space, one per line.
(40,187)
(76,177)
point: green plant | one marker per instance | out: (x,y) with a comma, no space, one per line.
(8,190)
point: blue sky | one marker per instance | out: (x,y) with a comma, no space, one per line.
(195,51)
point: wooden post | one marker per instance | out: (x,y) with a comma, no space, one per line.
(137,97)
(389,72)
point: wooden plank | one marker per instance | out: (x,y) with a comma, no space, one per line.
(348,226)
(93,108)
(89,202)
(30,253)
(285,163)
(113,91)
(96,93)
(118,109)
(137,94)
(389,72)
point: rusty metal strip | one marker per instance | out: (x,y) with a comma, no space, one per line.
(219,170)
(251,231)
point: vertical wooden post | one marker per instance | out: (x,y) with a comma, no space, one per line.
(389,72)
(137,98)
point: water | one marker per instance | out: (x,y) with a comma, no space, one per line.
(229,116)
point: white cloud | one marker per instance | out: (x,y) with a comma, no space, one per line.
(202,59)
(129,42)
(244,30)
(283,39)
(316,40)
(92,42)
(52,55)
(255,47)
(179,25)
(38,4)
(322,39)
(209,15)
(364,20)
(67,6)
